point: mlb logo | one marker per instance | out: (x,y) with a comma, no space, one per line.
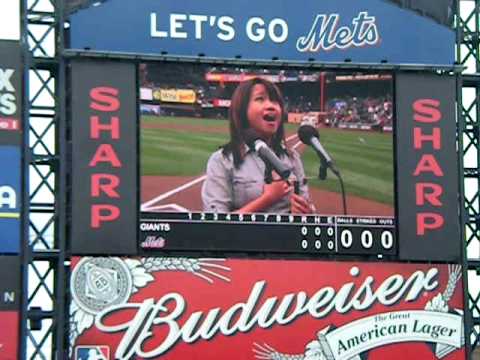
(92,352)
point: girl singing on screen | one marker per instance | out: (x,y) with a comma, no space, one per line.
(236,176)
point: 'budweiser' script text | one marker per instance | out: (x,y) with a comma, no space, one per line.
(256,311)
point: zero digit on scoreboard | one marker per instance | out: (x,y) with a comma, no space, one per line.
(366,239)
(330,231)
(386,239)
(346,238)
(304,230)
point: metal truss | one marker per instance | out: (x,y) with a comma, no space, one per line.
(468,54)
(44,258)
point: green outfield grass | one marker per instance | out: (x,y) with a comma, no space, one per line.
(168,152)
(365,159)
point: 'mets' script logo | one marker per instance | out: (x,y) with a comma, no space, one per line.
(7,92)
(325,34)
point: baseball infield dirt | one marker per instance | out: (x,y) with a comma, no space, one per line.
(326,202)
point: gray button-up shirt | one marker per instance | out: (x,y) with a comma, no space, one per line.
(227,189)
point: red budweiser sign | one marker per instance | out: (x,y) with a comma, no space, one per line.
(184,308)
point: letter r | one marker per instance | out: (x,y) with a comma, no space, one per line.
(428,192)
(108,186)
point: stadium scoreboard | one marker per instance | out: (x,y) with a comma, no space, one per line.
(296,233)
(406,146)
(151,101)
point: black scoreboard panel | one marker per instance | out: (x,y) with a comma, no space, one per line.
(10,283)
(152,199)
(269,232)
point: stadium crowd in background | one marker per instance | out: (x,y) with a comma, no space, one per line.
(370,108)
(352,110)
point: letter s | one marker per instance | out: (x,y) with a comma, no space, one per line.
(426,110)
(7,104)
(104,99)
(225,24)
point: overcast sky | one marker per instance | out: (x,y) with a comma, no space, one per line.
(10,19)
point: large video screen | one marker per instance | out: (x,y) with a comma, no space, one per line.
(176,155)
(266,158)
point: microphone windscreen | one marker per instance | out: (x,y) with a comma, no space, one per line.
(306,132)
(250,136)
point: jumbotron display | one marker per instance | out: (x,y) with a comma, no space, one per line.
(258,158)
(183,156)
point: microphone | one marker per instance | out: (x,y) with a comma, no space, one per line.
(309,136)
(255,143)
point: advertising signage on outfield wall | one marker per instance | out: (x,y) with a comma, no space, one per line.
(10,199)
(9,306)
(10,92)
(427,180)
(366,170)
(10,141)
(177,308)
(9,335)
(366,31)
(104,181)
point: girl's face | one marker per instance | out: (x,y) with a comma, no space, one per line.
(264,115)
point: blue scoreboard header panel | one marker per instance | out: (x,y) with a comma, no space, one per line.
(365,31)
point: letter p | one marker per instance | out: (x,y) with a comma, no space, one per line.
(428,221)
(102,213)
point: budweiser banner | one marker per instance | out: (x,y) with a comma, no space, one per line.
(185,308)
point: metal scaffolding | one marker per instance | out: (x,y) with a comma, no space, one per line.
(468,54)
(45,302)
(45,260)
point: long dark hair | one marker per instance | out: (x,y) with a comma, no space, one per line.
(239,120)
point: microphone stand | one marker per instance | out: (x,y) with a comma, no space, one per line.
(322,169)
(322,175)
(268,173)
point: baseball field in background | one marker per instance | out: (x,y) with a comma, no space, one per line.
(175,151)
